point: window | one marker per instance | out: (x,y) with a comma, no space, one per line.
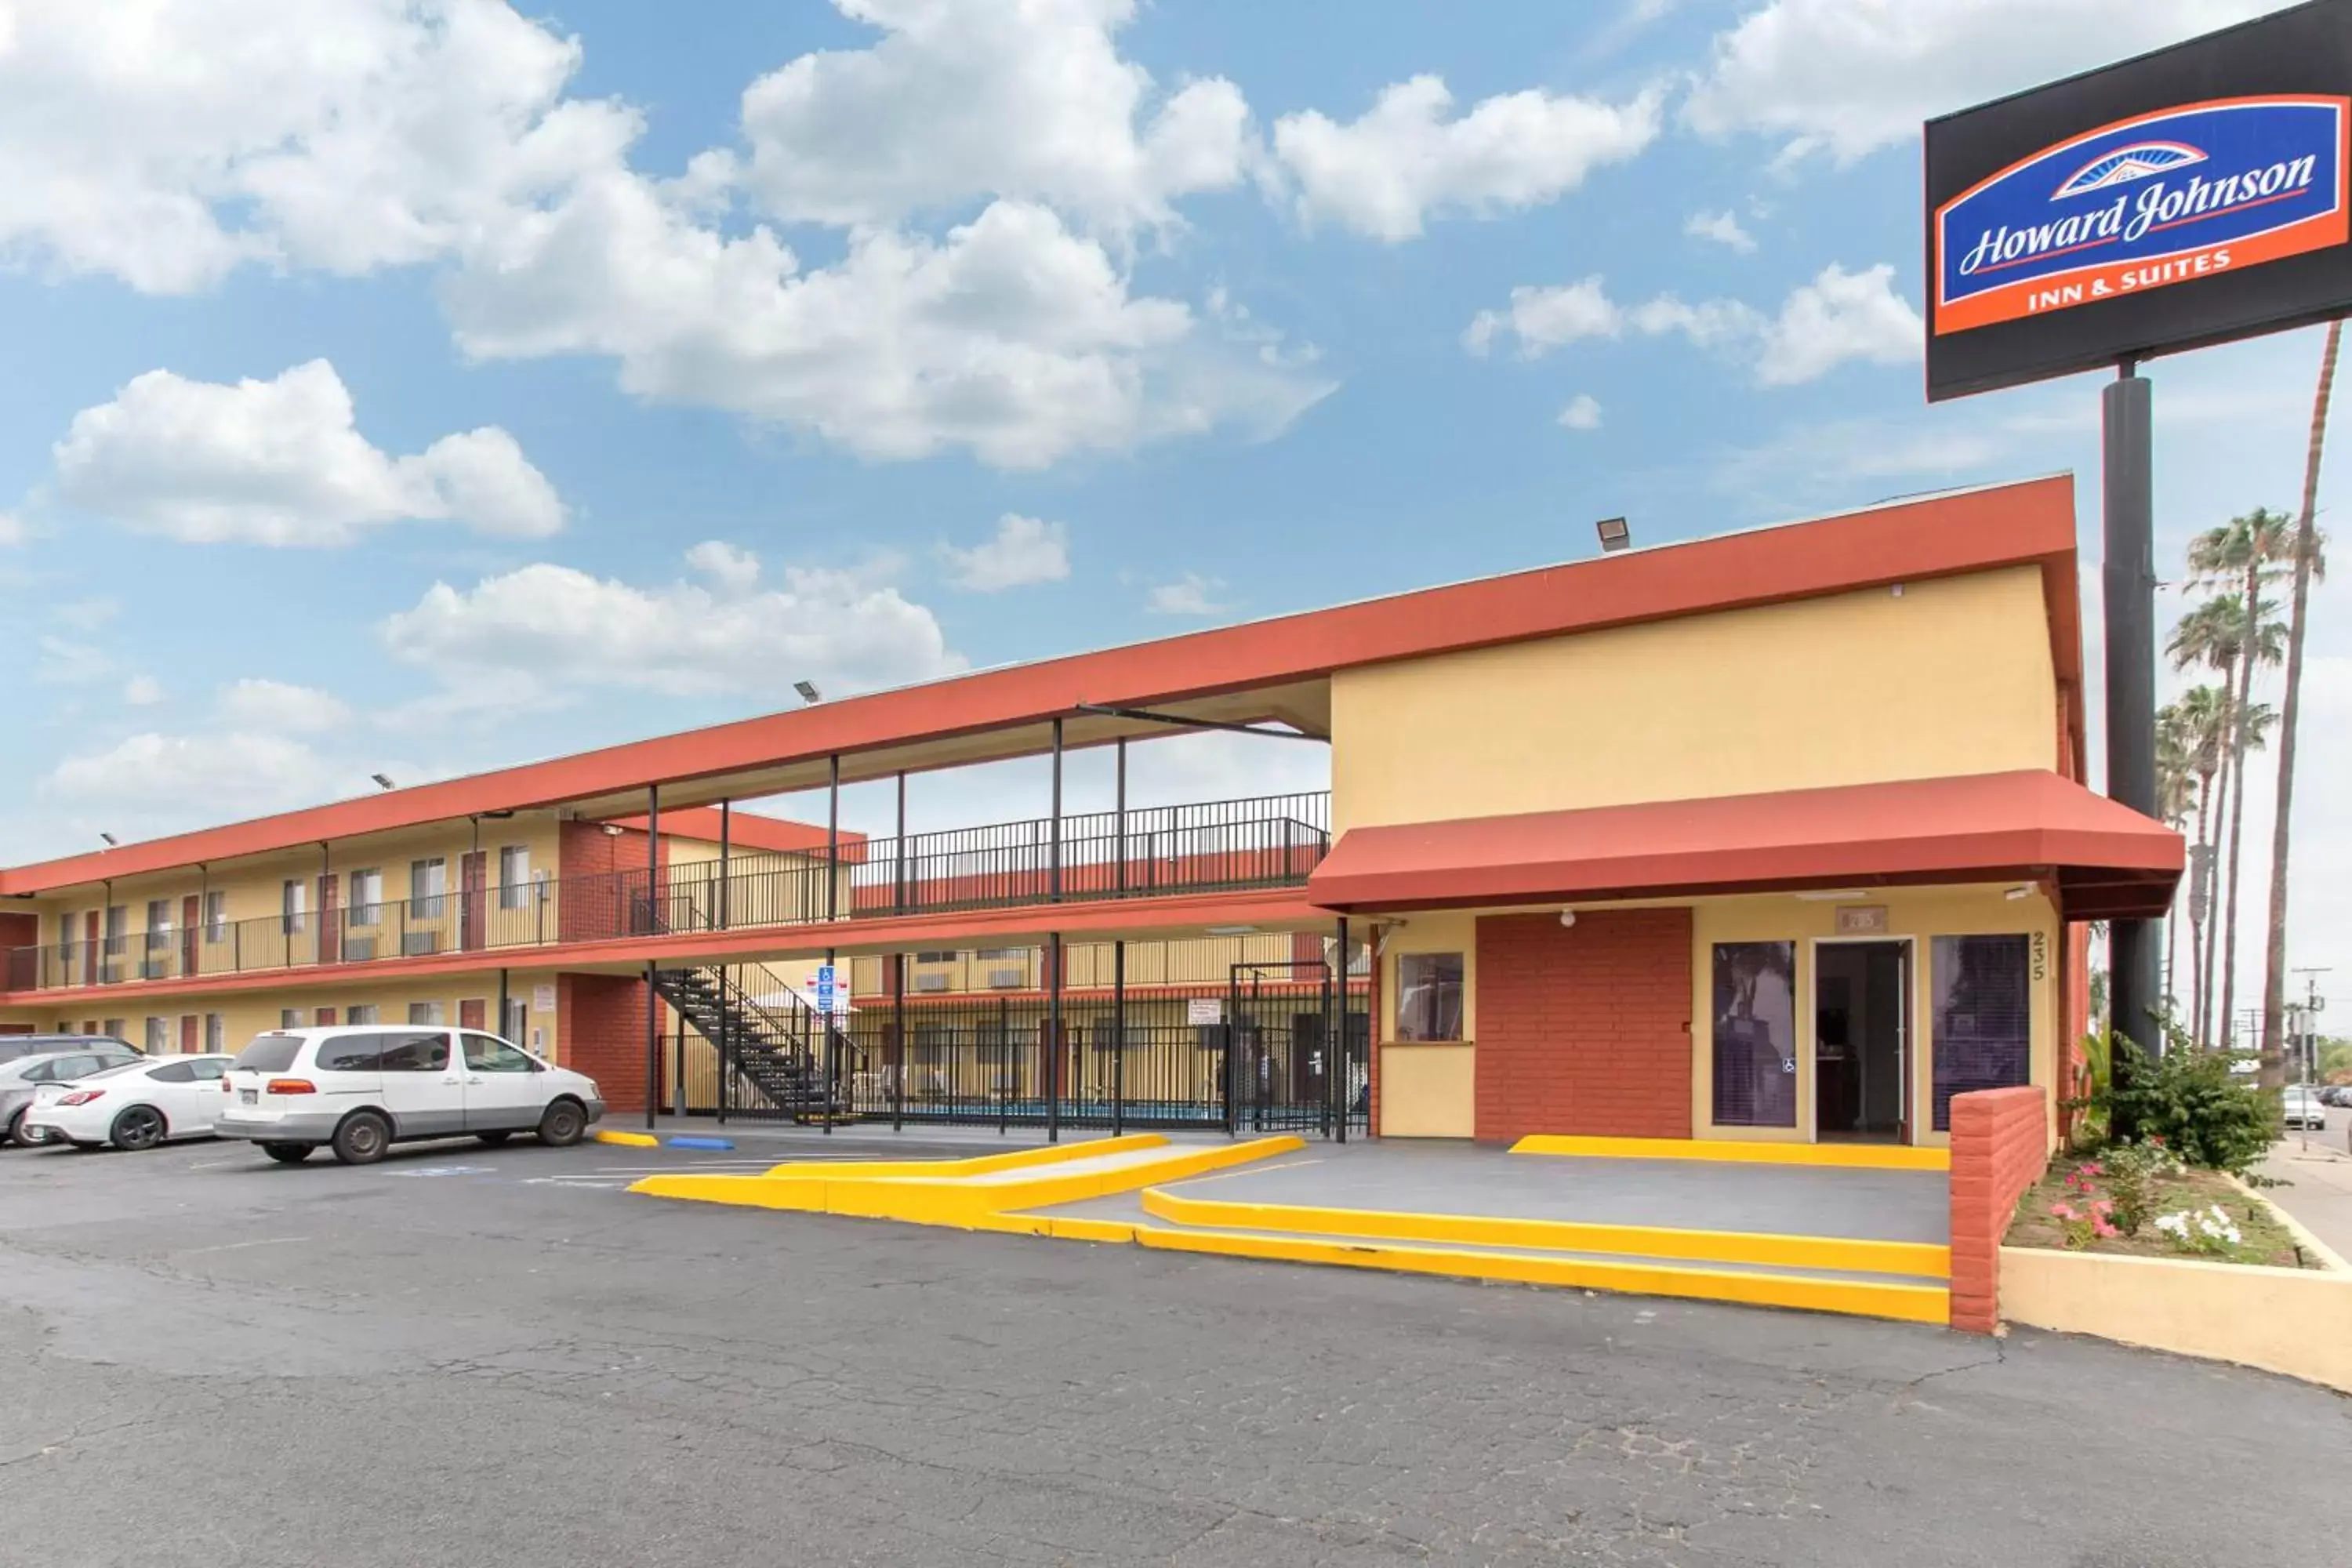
(488,1053)
(216,1033)
(416,1052)
(1982,1016)
(118,920)
(114,1029)
(289,1017)
(159,1036)
(159,922)
(1000,953)
(293,903)
(216,917)
(174,1072)
(350,1053)
(1755,1012)
(1428,996)
(429,885)
(270,1053)
(65,940)
(514,876)
(947,957)
(365,1012)
(426,1013)
(367,897)
(208,1072)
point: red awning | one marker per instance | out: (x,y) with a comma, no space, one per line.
(2107,859)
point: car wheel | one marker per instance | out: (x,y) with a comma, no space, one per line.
(140,1127)
(363,1138)
(16,1133)
(493,1139)
(289,1153)
(562,1124)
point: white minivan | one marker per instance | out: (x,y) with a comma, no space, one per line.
(359,1089)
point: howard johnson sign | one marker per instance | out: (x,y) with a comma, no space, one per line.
(2137,210)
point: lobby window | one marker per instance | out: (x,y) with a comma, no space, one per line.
(514,876)
(216,917)
(426,1013)
(367,897)
(1428,996)
(1755,1012)
(429,885)
(1983,1017)
(293,905)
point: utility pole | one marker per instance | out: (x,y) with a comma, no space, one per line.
(2313,1005)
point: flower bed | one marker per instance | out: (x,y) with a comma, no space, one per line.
(2141,1203)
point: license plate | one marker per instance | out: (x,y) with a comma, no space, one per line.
(249,1097)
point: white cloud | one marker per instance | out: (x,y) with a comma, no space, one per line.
(1723,229)
(1848,76)
(64,662)
(1837,317)
(1031,101)
(1840,316)
(1023,551)
(142,692)
(93,613)
(279,707)
(170,143)
(544,627)
(1384,173)
(147,781)
(733,570)
(282,462)
(1191,594)
(12,530)
(1582,413)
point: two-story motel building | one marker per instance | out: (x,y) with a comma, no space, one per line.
(1780,834)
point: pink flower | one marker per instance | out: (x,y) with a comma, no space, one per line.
(2104,1207)
(2099,1226)
(2094,1169)
(2062,1211)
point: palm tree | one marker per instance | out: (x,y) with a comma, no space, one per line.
(2243,555)
(2201,714)
(2212,635)
(2176,798)
(2308,565)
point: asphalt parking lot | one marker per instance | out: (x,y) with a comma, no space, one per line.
(462,1356)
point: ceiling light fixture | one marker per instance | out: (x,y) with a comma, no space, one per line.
(1831,897)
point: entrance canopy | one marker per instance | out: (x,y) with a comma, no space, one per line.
(2105,860)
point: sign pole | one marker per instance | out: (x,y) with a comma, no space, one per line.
(2134,984)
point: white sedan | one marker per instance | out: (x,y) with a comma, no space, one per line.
(136,1106)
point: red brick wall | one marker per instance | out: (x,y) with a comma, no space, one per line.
(1585,1028)
(2001,1146)
(601,873)
(600,1029)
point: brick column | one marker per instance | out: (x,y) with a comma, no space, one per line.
(600,1029)
(2001,1146)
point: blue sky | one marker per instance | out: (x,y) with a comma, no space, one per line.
(518,382)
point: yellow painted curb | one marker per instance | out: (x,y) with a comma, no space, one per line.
(1843,1156)
(959,1200)
(1014,1160)
(1843,1254)
(1060,1227)
(1860,1299)
(627,1140)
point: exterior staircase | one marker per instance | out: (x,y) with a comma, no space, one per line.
(775,1051)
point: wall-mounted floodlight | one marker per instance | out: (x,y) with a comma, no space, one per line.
(110,839)
(1615,532)
(2022,891)
(380,780)
(807,688)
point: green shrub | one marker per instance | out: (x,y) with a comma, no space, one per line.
(2190,1102)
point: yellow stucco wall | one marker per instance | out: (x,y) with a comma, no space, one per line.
(1428,1089)
(244,1015)
(1952,677)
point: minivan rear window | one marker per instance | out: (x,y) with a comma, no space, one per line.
(270,1053)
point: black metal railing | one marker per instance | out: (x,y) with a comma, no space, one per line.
(1269,841)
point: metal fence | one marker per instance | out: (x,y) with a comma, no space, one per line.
(1268,841)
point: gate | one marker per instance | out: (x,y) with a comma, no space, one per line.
(1281,1073)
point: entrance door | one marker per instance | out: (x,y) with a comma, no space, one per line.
(1861,1030)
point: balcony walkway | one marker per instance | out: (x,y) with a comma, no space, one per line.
(1179,853)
